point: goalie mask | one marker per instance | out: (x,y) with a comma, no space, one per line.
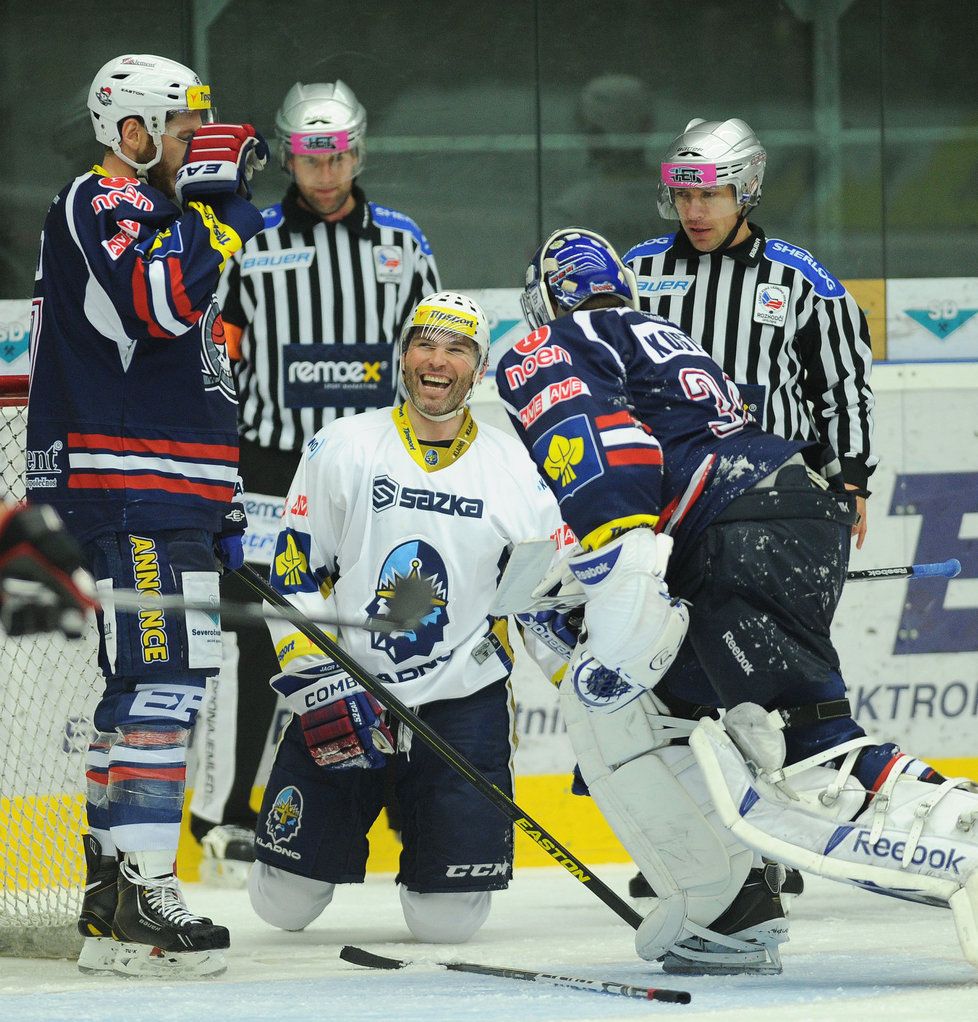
(321,120)
(710,155)
(150,88)
(447,318)
(570,267)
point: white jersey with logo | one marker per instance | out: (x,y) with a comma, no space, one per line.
(370,504)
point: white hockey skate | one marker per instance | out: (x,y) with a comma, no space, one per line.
(908,838)
(229,851)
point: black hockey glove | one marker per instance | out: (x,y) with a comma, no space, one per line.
(35,548)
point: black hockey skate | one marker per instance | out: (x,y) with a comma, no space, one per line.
(98,908)
(158,935)
(745,939)
(640,890)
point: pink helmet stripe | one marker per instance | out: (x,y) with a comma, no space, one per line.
(689,175)
(315,143)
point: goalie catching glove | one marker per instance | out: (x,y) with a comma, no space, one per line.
(341,722)
(634,628)
(220,158)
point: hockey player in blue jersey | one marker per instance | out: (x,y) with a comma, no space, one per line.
(132,437)
(694,522)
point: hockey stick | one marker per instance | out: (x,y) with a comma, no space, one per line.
(357,956)
(530,562)
(410,603)
(441,748)
(941,569)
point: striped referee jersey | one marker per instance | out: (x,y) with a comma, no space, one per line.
(782,328)
(312,311)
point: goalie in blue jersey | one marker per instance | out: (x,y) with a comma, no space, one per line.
(712,559)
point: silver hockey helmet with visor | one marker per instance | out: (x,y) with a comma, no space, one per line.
(447,318)
(708,157)
(322,119)
(150,88)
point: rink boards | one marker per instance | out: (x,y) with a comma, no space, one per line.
(909,649)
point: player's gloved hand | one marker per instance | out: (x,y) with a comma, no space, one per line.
(348,733)
(220,158)
(229,542)
(341,722)
(56,591)
(557,630)
(634,627)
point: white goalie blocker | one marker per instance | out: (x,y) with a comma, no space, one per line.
(914,840)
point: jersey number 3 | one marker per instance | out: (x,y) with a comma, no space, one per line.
(700,385)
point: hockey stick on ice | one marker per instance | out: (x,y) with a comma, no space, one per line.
(941,569)
(441,748)
(410,603)
(357,956)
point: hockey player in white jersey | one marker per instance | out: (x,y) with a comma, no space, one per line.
(417,490)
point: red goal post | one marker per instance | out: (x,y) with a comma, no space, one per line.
(48,691)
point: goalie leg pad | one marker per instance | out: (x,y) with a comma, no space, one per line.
(909,838)
(654,799)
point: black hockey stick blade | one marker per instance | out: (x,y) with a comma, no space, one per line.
(447,753)
(357,956)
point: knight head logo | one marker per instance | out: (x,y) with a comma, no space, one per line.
(285,816)
(214,361)
(413,559)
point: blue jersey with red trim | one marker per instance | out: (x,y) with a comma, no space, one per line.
(628,419)
(132,415)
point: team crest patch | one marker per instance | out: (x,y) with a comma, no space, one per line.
(290,563)
(569,455)
(431,457)
(420,560)
(388,263)
(214,361)
(771,304)
(285,817)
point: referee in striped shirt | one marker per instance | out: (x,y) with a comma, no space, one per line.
(781,326)
(312,308)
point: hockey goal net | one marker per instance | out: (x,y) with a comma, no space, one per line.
(48,691)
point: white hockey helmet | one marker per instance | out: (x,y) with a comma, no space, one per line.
(710,154)
(448,312)
(321,119)
(150,88)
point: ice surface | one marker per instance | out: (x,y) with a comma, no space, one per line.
(852,955)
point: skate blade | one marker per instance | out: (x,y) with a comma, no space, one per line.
(765,961)
(226,873)
(672,965)
(144,960)
(97,956)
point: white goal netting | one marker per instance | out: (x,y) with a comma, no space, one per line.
(48,691)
